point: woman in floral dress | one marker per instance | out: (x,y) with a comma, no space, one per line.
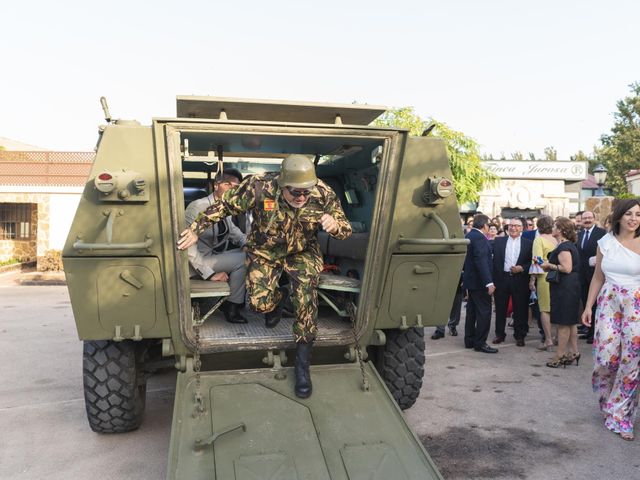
(616,345)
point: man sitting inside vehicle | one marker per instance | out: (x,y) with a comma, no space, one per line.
(218,256)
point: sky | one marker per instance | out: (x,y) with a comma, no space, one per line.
(513,75)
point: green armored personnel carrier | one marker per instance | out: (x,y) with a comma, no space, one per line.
(235,414)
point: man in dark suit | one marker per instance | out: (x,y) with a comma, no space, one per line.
(511,260)
(530,231)
(587,247)
(476,279)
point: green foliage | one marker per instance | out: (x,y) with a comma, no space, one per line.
(620,150)
(626,195)
(469,177)
(11,261)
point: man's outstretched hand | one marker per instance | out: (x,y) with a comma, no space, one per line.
(187,238)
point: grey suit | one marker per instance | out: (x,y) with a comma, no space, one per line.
(210,254)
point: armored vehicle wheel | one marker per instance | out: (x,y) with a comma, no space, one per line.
(401,364)
(114,385)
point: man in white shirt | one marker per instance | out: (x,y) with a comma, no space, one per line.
(587,247)
(511,260)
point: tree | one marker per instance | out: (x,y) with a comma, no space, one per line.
(469,177)
(550,154)
(517,156)
(621,148)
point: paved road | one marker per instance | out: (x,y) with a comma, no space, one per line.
(502,416)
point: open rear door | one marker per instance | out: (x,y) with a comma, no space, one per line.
(255,428)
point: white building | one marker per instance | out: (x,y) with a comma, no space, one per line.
(39,193)
(633,182)
(530,188)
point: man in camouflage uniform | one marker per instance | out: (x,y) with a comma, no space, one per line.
(288,209)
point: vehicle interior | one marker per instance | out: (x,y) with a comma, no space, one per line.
(349,165)
(254,136)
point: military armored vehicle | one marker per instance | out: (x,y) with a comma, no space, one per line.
(235,413)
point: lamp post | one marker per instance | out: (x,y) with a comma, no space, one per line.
(600,174)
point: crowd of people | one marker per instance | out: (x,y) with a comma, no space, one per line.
(564,273)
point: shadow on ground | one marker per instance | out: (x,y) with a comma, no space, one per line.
(479,452)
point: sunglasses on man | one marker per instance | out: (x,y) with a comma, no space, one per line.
(296,193)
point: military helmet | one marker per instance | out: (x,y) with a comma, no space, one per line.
(297,171)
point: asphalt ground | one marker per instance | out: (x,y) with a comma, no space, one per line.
(480,416)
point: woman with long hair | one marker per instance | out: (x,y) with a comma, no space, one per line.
(543,244)
(565,294)
(616,343)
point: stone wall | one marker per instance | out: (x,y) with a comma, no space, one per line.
(39,243)
(601,208)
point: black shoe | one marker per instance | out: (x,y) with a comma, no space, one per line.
(590,340)
(520,342)
(486,349)
(499,339)
(303,386)
(468,345)
(453,331)
(437,335)
(231,312)
(272,318)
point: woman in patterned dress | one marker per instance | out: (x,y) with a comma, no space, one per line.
(616,345)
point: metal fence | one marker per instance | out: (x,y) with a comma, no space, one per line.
(45,168)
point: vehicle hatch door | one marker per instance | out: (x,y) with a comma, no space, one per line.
(254,427)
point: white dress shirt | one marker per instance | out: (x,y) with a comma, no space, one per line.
(511,253)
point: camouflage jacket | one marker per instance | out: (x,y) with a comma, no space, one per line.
(278,229)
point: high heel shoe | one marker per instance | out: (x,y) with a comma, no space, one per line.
(556,362)
(570,358)
(628,436)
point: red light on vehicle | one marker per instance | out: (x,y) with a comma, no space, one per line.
(105,176)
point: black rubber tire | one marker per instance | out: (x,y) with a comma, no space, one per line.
(114,385)
(400,363)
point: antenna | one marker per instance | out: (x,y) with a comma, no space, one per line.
(105,109)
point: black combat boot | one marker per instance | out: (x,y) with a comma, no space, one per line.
(232,313)
(301,369)
(272,318)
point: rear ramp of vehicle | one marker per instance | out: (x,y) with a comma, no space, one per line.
(253,427)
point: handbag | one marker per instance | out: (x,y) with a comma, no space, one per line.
(553,276)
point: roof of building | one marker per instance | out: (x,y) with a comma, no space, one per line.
(9,144)
(589,182)
(633,172)
(44,168)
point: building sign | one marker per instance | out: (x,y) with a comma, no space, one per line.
(537,170)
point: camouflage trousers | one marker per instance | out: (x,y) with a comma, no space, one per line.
(303,270)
